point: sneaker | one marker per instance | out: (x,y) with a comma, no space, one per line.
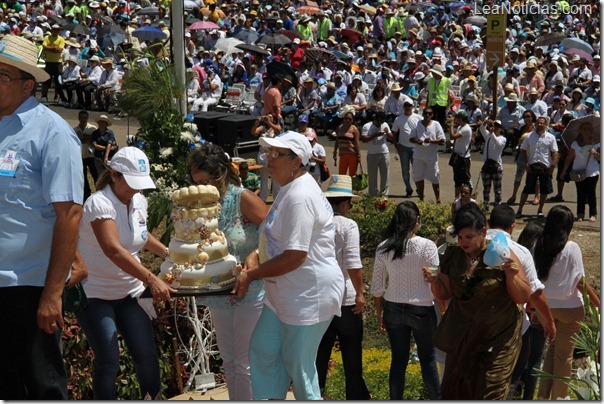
(409,194)
(519,215)
(540,214)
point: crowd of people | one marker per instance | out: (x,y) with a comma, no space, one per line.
(410,74)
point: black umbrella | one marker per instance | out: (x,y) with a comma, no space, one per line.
(111,40)
(58,20)
(148,11)
(77,29)
(110,29)
(105,19)
(253,49)
(274,40)
(282,70)
(248,36)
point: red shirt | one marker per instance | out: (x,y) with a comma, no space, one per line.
(297,57)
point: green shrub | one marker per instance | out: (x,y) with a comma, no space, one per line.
(373,214)
(376,367)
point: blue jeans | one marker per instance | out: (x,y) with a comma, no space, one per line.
(537,342)
(406,158)
(400,320)
(101,320)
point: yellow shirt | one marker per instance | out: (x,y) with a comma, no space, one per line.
(51,56)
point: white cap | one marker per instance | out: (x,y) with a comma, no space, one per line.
(132,163)
(596,78)
(297,41)
(294,141)
(187,34)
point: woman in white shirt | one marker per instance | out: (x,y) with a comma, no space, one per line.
(585,155)
(559,265)
(113,230)
(303,283)
(404,304)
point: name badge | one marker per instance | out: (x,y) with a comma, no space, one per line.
(9,163)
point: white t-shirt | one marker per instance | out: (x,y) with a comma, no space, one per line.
(348,253)
(428,152)
(404,125)
(301,219)
(317,151)
(405,276)
(105,279)
(462,144)
(379,145)
(565,274)
(581,159)
(540,148)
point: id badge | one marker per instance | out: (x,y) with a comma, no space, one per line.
(9,163)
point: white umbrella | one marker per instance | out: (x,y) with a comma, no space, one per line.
(228,45)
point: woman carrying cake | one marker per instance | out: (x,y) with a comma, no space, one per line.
(304,284)
(113,230)
(241,213)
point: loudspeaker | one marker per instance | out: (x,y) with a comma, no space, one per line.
(247,150)
(207,123)
(233,129)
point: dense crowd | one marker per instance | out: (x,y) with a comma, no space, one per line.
(412,74)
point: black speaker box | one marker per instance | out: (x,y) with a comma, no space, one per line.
(207,123)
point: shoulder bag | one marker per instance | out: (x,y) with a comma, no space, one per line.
(579,175)
(490,166)
(359,181)
(455,158)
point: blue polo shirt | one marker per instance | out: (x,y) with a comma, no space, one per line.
(40,163)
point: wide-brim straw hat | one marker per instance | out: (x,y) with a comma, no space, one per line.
(340,186)
(511,98)
(104,118)
(23,54)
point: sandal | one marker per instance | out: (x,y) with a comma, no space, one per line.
(592,219)
(579,219)
(535,202)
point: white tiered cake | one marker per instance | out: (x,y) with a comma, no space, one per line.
(199,258)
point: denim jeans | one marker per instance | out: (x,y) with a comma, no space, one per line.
(101,320)
(537,343)
(400,321)
(406,158)
(349,330)
(31,364)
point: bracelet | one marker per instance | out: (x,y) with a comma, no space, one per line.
(257,251)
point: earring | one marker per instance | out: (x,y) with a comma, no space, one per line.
(292,174)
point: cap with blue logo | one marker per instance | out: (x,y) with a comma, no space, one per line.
(133,164)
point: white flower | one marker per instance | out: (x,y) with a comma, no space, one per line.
(190,126)
(157,167)
(165,152)
(187,137)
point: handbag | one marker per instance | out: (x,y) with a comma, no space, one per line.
(490,166)
(579,175)
(324,172)
(457,158)
(74,298)
(360,181)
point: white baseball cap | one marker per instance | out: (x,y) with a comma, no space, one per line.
(294,141)
(133,164)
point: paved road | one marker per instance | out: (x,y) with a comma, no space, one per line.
(124,126)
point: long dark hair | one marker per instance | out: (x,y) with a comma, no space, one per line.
(530,234)
(400,228)
(212,158)
(469,216)
(558,225)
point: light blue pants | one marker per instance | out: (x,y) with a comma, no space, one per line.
(283,354)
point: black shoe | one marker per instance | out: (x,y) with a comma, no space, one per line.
(409,194)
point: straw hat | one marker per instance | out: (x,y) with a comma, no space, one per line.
(395,87)
(513,97)
(340,186)
(73,43)
(437,69)
(104,118)
(22,54)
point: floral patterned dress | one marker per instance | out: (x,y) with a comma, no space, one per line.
(242,237)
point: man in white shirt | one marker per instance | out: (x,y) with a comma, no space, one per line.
(402,128)
(427,136)
(492,168)
(461,134)
(88,85)
(211,92)
(539,107)
(376,134)
(394,103)
(540,151)
(109,79)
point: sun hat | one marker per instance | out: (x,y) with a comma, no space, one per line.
(133,164)
(104,118)
(340,186)
(509,87)
(294,141)
(107,61)
(533,91)
(73,43)
(94,58)
(590,100)
(511,98)
(21,53)
(437,69)
(395,87)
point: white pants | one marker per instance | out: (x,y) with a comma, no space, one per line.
(234,329)
(204,104)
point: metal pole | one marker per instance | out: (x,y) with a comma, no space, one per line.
(495,95)
(178,51)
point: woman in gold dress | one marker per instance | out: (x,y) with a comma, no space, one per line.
(480,331)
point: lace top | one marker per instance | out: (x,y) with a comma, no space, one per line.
(405,278)
(242,238)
